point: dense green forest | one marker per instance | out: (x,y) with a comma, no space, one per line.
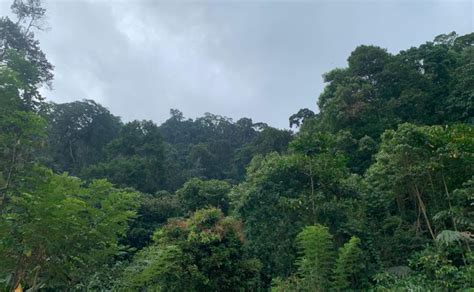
(374,191)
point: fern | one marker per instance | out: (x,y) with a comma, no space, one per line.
(349,264)
(447,237)
(317,257)
(399,271)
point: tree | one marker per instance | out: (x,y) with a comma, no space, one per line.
(29,14)
(153,212)
(66,230)
(197,194)
(316,257)
(368,61)
(215,147)
(412,182)
(270,140)
(349,266)
(205,164)
(427,85)
(318,267)
(460,103)
(266,203)
(202,253)
(299,118)
(134,159)
(284,193)
(21,131)
(78,134)
(383,173)
(18,38)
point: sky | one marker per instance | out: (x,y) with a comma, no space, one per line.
(258,59)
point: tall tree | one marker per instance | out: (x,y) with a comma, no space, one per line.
(22,132)
(78,134)
(19,38)
(135,158)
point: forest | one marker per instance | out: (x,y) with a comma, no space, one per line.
(372,189)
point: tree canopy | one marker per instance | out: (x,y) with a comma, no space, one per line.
(374,191)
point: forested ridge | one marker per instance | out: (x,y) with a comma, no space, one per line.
(372,190)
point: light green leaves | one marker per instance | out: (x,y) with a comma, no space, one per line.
(65,227)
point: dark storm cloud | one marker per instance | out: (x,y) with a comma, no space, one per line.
(261,59)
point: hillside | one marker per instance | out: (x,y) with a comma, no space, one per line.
(372,189)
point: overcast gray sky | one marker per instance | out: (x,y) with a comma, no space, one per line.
(258,59)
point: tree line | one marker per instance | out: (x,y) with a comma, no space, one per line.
(373,192)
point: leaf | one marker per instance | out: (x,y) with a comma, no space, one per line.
(447,237)
(399,271)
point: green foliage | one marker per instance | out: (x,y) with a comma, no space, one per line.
(65,229)
(427,85)
(282,194)
(268,203)
(316,258)
(318,267)
(202,253)
(135,158)
(300,117)
(18,40)
(271,140)
(215,147)
(417,170)
(440,270)
(349,268)
(153,212)
(383,173)
(432,271)
(21,131)
(78,134)
(197,194)
(448,237)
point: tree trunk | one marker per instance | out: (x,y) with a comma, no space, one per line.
(423,211)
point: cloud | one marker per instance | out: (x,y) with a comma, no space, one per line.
(260,59)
